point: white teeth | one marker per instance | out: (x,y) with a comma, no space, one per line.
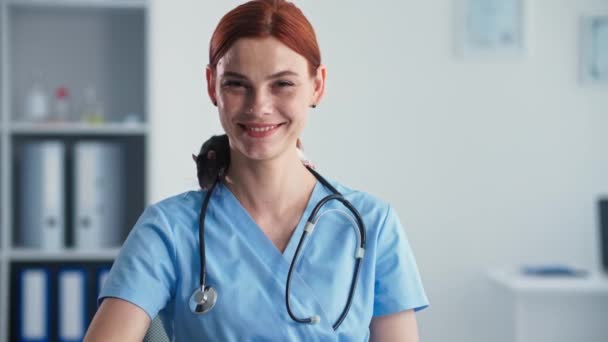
(261,129)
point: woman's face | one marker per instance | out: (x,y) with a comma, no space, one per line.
(263,91)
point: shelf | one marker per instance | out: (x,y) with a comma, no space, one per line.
(23,254)
(98,51)
(90,52)
(79,3)
(77,129)
(593,283)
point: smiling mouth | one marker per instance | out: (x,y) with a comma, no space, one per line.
(262,129)
(258,130)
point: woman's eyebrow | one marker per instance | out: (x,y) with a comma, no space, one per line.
(275,75)
(233,74)
(283,73)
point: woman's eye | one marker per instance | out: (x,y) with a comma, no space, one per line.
(282,84)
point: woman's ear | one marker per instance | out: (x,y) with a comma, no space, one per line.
(210,76)
(319,85)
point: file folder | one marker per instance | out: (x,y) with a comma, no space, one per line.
(34,305)
(42,205)
(72,308)
(603,222)
(98,195)
(102,276)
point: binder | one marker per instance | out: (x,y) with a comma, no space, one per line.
(98,199)
(33,305)
(102,276)
(72,309)
(42,204)
(603,222)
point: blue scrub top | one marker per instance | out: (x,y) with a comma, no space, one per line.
(158,269)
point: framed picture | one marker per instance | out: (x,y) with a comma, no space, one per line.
(490,28)
(594,49)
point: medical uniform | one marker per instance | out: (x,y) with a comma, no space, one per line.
(158,270)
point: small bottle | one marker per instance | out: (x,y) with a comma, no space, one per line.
(36,106)
(61,108)
(92,111)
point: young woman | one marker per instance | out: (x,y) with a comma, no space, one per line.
(217,262)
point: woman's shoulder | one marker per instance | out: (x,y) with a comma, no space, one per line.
(185,204)
(355,195)
(370,206)
(183,198)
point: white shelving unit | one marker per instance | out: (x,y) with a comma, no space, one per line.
(4,286)
(32,255)
(74,44)
(549,308)
(77,129)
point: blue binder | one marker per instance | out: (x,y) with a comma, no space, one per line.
(33,305)
(102,275)
(71,304)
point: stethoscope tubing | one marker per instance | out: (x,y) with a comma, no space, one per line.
(201,235)
(336,195)
(313,220)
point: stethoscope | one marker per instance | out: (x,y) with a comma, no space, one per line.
(204,297)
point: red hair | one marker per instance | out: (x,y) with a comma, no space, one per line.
(266,18)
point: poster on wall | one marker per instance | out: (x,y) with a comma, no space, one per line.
(490,28)
(594,50)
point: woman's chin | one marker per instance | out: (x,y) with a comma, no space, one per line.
(262,153)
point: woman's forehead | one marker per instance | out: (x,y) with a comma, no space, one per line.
(261,57)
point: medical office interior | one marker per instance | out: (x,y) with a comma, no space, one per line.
(483,122)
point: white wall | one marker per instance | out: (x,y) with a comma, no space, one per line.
(487,162)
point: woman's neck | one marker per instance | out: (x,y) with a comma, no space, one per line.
(271,186)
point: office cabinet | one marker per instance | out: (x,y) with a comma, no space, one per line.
(73,146)
(549,308)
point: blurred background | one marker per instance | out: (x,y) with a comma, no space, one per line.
(483,122)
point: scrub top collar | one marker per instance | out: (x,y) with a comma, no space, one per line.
(254,233)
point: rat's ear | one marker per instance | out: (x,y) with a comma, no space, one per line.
(194,157)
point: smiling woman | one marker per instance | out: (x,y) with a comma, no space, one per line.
(263,90)
(236,259)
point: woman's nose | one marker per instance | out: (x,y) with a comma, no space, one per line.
(260,103)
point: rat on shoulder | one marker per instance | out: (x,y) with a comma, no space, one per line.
(213,160)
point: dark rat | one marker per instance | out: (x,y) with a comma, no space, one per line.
(212,161)
(214,158)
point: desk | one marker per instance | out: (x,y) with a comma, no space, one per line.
(550,309)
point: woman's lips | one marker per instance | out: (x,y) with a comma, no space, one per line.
(260,130)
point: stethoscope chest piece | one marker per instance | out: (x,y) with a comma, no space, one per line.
(202,301)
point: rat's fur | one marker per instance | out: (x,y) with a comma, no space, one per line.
(212,161)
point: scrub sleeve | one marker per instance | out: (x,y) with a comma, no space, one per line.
(397,286)
(144,272)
